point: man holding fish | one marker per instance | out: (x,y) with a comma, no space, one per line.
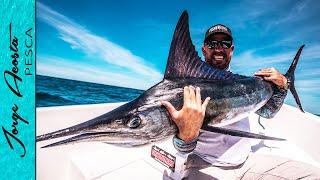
(227,156)
(232,97)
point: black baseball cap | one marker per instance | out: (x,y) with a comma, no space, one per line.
(218,28)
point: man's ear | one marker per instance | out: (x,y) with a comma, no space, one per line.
(231,52)
(232,48)
(204,51)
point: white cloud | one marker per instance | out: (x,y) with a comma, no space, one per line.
(93,45)
(311,72)
(64,68)
(255,61)
(311,85)
(296,13)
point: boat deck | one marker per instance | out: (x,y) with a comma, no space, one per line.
(95,160)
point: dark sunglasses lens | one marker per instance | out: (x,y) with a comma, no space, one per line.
(211,44)
(226,44)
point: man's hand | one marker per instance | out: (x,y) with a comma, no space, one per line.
(190,118)
(273,75)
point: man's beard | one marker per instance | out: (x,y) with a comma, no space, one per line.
(219,61)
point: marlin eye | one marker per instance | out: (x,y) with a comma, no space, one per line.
(134,122)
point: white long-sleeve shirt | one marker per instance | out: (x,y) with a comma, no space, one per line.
(224,150)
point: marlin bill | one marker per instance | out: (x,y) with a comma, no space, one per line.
(145,120)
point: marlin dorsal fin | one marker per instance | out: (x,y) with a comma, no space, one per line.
(183,60)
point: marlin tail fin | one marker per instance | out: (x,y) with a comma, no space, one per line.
(290,76)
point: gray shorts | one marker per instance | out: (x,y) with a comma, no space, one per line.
(257,166)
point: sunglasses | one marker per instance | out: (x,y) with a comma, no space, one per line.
(213,44)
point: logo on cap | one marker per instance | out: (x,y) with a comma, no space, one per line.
(218,28)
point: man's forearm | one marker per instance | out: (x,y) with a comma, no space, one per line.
(273,105)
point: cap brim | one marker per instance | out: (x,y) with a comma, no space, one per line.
(210,35)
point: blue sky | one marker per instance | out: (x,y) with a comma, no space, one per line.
(126,43)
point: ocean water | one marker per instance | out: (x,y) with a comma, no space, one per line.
(52,91)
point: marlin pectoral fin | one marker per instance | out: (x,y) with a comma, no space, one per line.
(238,133)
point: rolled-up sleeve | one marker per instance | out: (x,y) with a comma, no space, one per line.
(183,146)
(273,105)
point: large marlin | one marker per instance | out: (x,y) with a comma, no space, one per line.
(144,120)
